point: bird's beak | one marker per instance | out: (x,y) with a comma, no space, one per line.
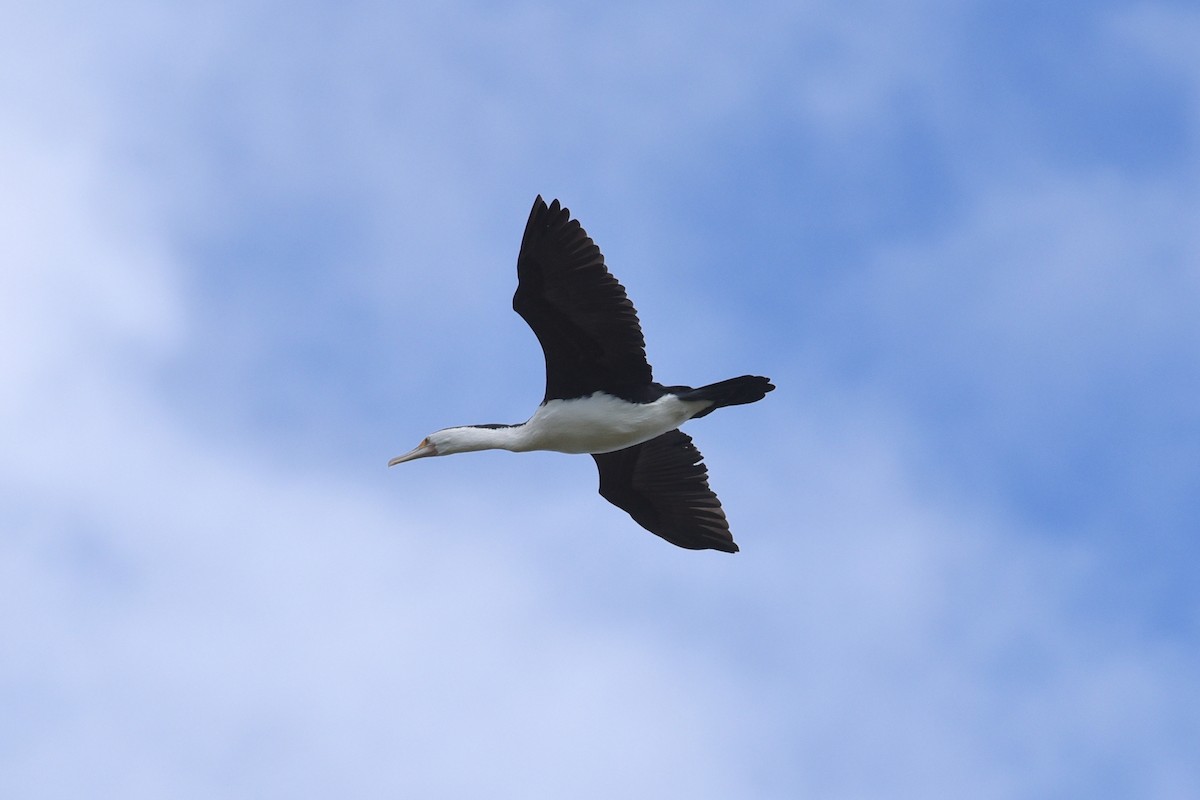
(425,448)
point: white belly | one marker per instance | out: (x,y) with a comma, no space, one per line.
(601,423)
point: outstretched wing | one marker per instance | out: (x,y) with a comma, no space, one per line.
(663,484)
(588,329)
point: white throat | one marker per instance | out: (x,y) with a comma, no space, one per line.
(470,438)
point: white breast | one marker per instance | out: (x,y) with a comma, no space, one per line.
(601,423)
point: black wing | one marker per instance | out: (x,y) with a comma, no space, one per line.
(663,484)
(588,329)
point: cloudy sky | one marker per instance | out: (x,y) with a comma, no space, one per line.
(250,251)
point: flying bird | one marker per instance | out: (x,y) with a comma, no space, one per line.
(601,397)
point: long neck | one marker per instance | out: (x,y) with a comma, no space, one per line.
(470,438)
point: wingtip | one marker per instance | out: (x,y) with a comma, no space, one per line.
(539,208)
(547,213)
(723,546)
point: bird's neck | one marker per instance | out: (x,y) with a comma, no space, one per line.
(470,438)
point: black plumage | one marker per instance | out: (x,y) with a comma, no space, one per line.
(593,342)
(663,484)
(588,329)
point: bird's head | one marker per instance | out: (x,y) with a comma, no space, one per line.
(427,447)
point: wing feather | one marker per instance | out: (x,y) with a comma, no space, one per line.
(663,485)
(588,328)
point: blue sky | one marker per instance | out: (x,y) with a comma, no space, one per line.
(251,251)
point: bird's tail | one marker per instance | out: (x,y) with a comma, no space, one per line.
(733,392)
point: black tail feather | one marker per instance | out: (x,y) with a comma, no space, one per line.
(733,392)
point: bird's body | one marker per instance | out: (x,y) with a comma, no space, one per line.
(601,423)
(600,395)
(598,423)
